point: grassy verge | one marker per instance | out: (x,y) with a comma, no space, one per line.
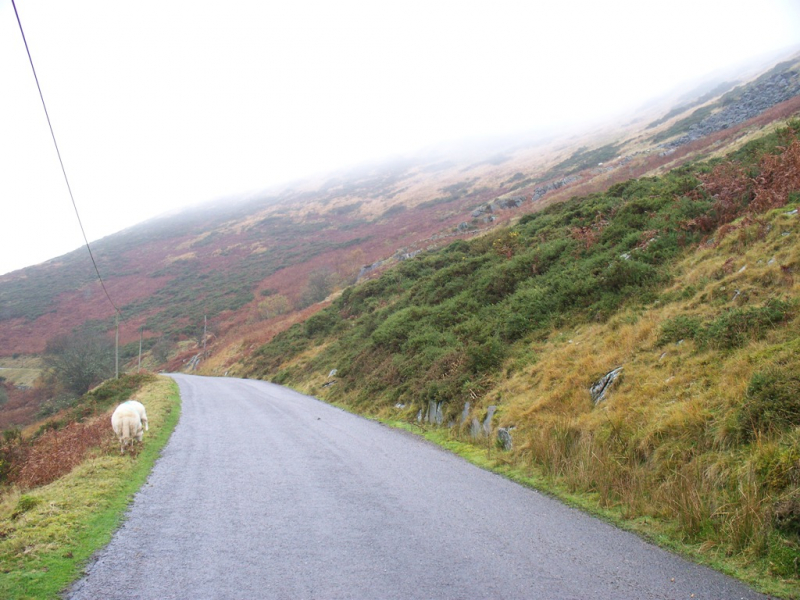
(654,530)
(48,534)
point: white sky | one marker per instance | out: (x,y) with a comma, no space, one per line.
(162,103)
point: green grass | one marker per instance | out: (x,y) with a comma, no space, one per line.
(59,526)
(778,559)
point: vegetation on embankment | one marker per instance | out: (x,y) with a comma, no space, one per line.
(71,486)
(686,281)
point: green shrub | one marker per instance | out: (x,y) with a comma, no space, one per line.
(778,465)
(772,402)
(526,310)
(624,274)
(53,405)
(682,327)
(25,503)
(784,554)
(114,391)
(486,357)
(737,326)
(397,327)
(321,323)
(786,515)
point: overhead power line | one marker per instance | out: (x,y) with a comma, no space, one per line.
(61,162)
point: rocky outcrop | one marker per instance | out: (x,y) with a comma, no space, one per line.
(404,254)
(504,438)
(603,385)
(366,270)
(498,204)
(487,422)
(752,101)
(432,415)
(554,185)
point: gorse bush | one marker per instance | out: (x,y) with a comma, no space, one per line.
(733,328)
(682,327)
(737,326)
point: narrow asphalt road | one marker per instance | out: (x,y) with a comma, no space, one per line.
(265,493)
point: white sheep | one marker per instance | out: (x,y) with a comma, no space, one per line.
(127,424)
(142,412)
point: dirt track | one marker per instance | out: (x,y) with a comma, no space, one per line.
(265,493)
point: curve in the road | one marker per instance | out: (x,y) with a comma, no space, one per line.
(265,493)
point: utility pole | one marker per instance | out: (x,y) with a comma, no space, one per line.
(141,333)
(116,350)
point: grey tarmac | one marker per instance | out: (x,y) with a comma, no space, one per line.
(265,493)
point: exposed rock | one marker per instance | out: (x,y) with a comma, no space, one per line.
(403,254)
(541,191)
(504,438)
(481,210)
(507,203)
(194,362)
(465,413)
(485,211)
(475,429)
(434,413)
(487,422)
(603,385)
(752,101)
(366,270)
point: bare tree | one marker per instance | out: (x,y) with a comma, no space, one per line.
(79,360)
(321,282)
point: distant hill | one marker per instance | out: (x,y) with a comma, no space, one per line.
(254,265)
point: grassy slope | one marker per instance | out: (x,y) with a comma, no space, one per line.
(698,444)
(48,533)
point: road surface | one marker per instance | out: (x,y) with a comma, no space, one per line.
(265,493)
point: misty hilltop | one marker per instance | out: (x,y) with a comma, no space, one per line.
(253,265)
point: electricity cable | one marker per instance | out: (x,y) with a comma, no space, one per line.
(58,152)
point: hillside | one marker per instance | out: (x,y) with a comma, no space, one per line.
(635,350)
(256,265)
(610,314)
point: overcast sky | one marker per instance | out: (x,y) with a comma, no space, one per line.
(157,104)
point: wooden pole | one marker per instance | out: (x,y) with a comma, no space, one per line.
(205,329)
(141,333)
(116,351)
